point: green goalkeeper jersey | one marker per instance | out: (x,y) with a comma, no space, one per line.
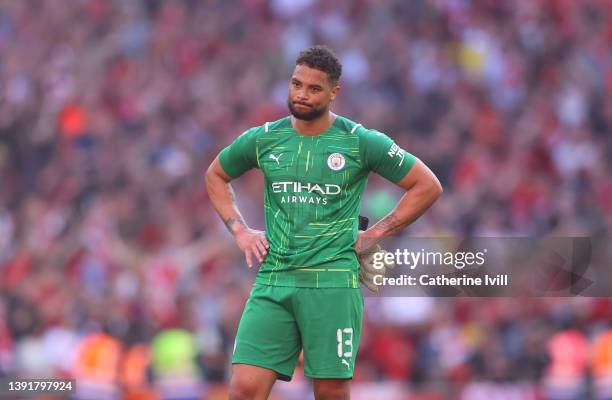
(312,191)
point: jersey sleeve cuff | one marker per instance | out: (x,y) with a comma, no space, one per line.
(226,164)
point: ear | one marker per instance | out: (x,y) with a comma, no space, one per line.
(334,92)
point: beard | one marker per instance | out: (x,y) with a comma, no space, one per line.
(310,115)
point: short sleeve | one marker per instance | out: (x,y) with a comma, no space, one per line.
(380,154)
(241,155)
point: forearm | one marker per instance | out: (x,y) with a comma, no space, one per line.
(223,199)
(410,207)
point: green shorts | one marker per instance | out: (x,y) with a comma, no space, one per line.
(279,321)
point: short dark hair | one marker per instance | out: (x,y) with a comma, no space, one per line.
(322,58)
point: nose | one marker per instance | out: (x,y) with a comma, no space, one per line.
(301,95)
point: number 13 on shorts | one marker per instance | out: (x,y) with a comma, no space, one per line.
(345,345)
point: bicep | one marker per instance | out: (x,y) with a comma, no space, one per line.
(419,174)
(216,170)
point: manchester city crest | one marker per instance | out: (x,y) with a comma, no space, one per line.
(336,161)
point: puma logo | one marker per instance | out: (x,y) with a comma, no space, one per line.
(276,158)
(346,363)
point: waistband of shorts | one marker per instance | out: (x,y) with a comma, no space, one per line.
(311,277)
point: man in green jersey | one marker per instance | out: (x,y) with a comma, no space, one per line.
(306,295)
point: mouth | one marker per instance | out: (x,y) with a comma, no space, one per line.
(301,105)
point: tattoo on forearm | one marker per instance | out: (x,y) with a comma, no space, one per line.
(389,224)
(231,223)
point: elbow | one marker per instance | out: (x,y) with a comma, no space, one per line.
(209,176)
(435,190)
(438,189)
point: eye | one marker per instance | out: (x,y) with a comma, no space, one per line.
(295,84)
(316,89)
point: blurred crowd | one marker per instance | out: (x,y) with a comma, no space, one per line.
(114,268)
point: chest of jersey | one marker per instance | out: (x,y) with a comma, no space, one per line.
(306,165)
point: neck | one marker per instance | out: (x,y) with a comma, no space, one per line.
(314,127)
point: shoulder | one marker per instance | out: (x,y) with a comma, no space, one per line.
(266,128)
(274,126)
(350,127)
(358,129)
(363,133)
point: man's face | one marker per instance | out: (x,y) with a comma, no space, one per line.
(310,93)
